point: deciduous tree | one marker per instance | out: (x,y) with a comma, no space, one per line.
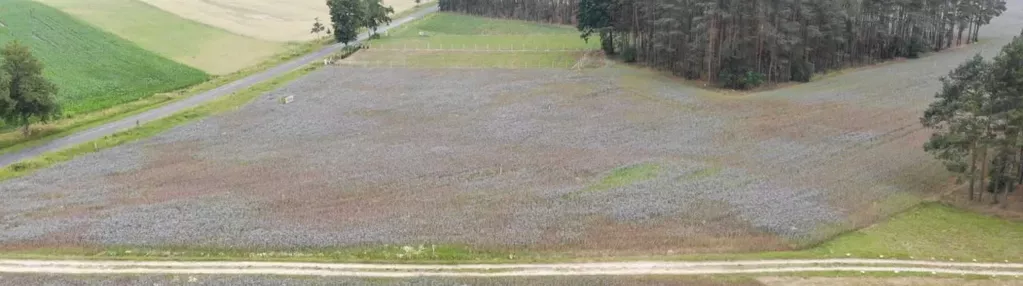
(346,16)
(376,15)
(317,27)
(29,95)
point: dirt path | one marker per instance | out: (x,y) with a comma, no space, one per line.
(508,270)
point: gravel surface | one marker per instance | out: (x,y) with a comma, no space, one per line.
(506,159)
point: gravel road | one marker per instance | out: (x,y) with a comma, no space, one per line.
(196,100)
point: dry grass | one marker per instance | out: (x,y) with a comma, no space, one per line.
(210,49)
(272,20)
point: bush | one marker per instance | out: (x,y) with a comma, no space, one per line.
(916,47)
(607,43)
(741,80)
(802,71)
(629,55)
(736,73)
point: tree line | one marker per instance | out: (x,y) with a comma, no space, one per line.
(978,123)
(743,43)
(548,11)
(348,16)
(25,94)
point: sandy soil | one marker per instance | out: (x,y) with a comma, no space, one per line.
(274,20)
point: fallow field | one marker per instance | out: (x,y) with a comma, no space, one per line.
(92,68)
(611,160)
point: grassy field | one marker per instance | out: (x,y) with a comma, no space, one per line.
(92,68)
(448,40)
(934,230)
(272,20)
(205,47)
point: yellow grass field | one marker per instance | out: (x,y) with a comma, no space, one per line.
(272,20)
(213,50)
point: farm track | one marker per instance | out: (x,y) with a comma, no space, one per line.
(167,110)
(509,270)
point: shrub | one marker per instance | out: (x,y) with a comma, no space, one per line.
(740,80)
(629,54)
(802,71)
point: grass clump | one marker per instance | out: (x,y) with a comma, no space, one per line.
(703,173)
(626,176)
(92,69)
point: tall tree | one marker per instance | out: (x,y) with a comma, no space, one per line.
(376,15)
(960,117)
(979,115)
(29,95)
(595,18)
(346,16)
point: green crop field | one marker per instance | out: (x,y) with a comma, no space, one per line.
(449,40)
(93,69)
(208,48)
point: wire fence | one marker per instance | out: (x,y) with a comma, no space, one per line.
(498,48)
(512,64)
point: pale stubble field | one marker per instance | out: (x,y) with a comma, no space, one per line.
(272,20)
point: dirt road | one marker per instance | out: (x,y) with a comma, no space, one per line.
(508,270)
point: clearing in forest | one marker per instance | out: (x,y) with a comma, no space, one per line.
(447,40)
(208,48)
(93,69)
(272,20)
